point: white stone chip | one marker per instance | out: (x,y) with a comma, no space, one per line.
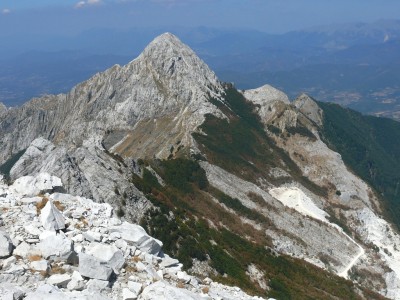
(51,217)
(5,245)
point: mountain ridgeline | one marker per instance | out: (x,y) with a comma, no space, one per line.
(283,199)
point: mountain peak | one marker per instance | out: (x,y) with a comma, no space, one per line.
(167,57)
(166,37)
(167,42)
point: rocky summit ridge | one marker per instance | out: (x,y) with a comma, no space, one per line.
(60,246)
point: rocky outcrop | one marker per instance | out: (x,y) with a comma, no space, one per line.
(55,246)
(92,267)
(30,186)
(164,291)
(167,82)
(50,263)
(108,254)
(89,171)
(307,106)
(267,100)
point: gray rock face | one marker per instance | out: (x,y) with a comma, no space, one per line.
(138,110)
(92,267)
(88,171)
(5,245)
(38,150)
(309,108)
(318,239)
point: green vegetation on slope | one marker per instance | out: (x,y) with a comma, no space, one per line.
(241,145)
(370,146)
(186,234)
(182,173)
(238,207)
(186,207)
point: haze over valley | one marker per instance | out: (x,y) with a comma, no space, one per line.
(355,65)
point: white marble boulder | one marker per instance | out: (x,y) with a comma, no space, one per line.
(91,267)
(55,246)
(135,235)
(108,254)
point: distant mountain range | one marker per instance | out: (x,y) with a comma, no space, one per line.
(351,64)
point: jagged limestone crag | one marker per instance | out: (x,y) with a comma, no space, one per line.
(167,82)
(139,110)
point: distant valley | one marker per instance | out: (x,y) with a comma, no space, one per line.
(355,65)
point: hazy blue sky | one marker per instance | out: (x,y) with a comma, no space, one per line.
(74,16)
